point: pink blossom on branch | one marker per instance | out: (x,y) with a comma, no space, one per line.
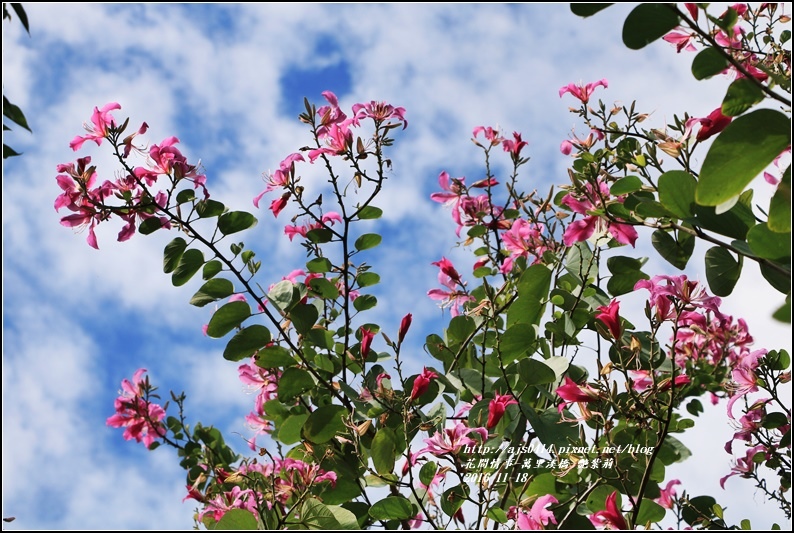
(609,315)
(537,517)
(140,418)
(497,408)
(451,440)
(421,383)
(583,92)
(667,494)
(101,122)
(590,200)
(611,517)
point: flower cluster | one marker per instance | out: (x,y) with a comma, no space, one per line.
(137,202)
(140,417)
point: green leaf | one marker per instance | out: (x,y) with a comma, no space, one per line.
(236,519)
(9,152)
(580,262)
(345,518)
(294,382)
(173,253)
(367,241)
(319,265)
(587,10)
(626,185)
(675,252)
(740,153)
(427,473)
(650,512)
(677,192)
(370,212)
(460,327)
(281,294)
(533,372)
(780,205)
(274,357)
(780,281)
(742,94)
(20,11)
(550,428)
(392,508)
(734,223)
(383,451)
(189,264)
(722,271)
(150,225)
(211,291)
(768,244)
(364,302)
(228,317)
(698,507)
(709,62)
(303,317)
(783,313)
(324,423)
(235,221)
(246,342)
(324,288)
(211,269)
(516,341)
(185,195)
(209,208)
(316,515)
(646,23)
(15,114)
(319,235)
(367,279)
(625,274)
(453,499)
(533,290)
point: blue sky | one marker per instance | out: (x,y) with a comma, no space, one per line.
(229,80)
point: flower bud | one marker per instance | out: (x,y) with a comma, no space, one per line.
(404,325)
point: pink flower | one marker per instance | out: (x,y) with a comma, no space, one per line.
(366,342)
(667,494)
(405,323)
(278,205)
(451,440)
(281,177)
(454,298)
(693,11)
(593,198)
(611,517)
(522,239)
(497,407)
(101,122)
(421,383)
(711,125)
(610,317)
(538,516)
(490,134)
(447,268)
(380,112)
(566,147)
(744,466)
(236,498)
(666,290)
(583,92)
(573,393)
(681,41)
(515,146)
(134,412)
